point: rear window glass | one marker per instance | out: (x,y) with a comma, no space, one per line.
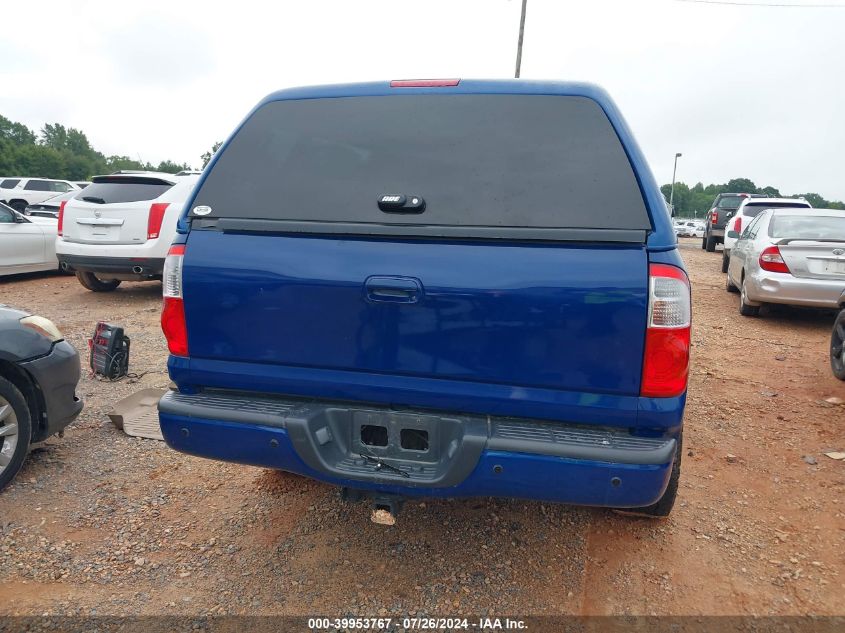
(475,160)
(123,190)
(753,210)
(730,202)
(10,183)
(808,227)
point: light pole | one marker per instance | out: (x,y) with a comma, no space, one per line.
(519,42)
(672,192)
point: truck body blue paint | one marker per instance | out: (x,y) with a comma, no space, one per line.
(393,321)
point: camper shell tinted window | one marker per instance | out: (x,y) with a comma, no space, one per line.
(472,163)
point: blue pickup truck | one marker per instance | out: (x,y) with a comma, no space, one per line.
(433,288)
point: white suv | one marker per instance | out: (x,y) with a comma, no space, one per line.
(119,227)
(749,209)
(19,193)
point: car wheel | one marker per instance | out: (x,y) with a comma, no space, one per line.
(710,244)
(837,346)
(704,242)
(92,282)
(663,506)
(744,308)
(729,285)
(18,205)
(725,262)
(15,431)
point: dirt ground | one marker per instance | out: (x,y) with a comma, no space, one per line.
(101,523)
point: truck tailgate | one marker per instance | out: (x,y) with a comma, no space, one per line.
(567,316)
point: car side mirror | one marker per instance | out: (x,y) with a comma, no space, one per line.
(733,235)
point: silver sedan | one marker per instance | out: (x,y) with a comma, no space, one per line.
(789,258)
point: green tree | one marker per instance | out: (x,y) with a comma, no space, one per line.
(17,133)
(54,135)
(79,167)
(816,200)
(60,152)
(7,156)
(700,203)
(169,167)
(696,201)
(769,191)
(740,185)
(116,163)
(37,160)
(207,156)
(77,143)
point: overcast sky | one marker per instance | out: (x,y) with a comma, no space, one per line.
(742,91)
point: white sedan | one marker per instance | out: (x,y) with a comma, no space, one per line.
(27,244)
(689,229)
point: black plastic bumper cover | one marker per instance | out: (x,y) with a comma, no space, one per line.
(117,265)
(57,375)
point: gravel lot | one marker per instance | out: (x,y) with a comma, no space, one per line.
(101,523)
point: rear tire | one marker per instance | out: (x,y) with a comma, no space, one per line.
(710,244)
(91,282)
(704,242)
(663,506)
(837,346)
(725,262)
(19,205)
(744,308)
(729,286)
(15,431)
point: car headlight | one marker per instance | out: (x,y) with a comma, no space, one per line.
(45,327)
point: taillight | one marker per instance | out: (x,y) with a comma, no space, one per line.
(737,225)
(173,311)
(772,260)
(155,218)
(61,217)
(667,343)
(714,215)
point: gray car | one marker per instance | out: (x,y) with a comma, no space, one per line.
(837,342)
(789,257)
(39,371)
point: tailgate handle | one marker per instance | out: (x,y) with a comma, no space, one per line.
(393,289)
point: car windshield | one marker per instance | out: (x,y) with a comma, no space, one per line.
(808,227)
